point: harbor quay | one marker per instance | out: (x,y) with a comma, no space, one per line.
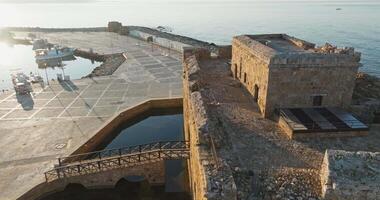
(56,119)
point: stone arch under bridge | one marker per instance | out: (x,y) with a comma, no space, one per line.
(154,173)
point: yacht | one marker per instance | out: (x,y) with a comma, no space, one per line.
(54,53)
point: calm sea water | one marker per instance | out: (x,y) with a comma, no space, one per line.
(357,24)
(149,130)
(20,58)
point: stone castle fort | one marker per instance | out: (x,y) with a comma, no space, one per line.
(268,117)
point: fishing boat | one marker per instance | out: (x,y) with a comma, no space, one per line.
(54,54)
(21,83)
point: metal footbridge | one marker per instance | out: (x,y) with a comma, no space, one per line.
(99,161)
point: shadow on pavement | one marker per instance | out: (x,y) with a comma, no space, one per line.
(26,101)
(68,85)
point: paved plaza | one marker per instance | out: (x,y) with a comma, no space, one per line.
(59,117)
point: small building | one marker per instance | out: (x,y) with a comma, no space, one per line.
(114,26)
(286,75)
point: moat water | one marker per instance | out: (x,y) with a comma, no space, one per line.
(152,127)
(15,58)
(355,24)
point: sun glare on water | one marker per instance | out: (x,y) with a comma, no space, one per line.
(6,55)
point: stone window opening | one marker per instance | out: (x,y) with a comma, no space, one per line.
(241,69)
(317,100)
(236,71)
(376,117)
(256,93)
(195,190)
(245,77)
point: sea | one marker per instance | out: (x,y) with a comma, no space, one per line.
(354,23)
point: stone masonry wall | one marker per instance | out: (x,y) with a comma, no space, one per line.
(256,70)
(207,181)
(295,86)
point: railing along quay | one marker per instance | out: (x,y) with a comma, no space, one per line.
(93,162)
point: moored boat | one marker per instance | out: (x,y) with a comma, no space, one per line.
(55,53)
(21,83)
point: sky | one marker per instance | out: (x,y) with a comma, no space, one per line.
(88,1)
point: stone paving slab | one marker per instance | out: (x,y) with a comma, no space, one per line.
(57,102)
(76,112)
(103,111)
(81,102)
(48,112)
(19,113)
(3,112)
(45,95)
(8,104)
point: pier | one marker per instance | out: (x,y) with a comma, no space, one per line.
(65,115)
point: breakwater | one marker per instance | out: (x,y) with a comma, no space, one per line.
(38,29)
(108,67)
(168,40)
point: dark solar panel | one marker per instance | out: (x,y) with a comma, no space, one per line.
(338,123)
(304,118)
(319,119)
(350,120)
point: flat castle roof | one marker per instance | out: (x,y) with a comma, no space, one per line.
(282,49)
(283,43)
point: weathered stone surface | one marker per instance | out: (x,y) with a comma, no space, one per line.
(350,175)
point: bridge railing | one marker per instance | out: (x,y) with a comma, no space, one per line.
(93,162)
(122,151)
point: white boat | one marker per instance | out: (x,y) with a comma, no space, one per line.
(55,53)
(21,83)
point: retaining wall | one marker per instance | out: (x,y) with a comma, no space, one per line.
(167,43)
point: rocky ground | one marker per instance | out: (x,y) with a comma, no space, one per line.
(366,98)
(291,183)
(367,88)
